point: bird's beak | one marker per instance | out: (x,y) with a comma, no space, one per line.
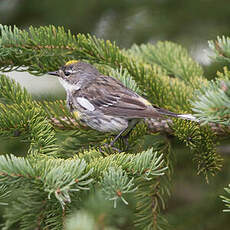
(55,73)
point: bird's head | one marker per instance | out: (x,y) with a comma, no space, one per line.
(75,72)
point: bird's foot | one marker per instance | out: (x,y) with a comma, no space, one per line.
(125,140)
(108,147)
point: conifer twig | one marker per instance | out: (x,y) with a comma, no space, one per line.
(155,125)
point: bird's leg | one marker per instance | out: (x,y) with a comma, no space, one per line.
(117,137)
(108,146)
(113,141)
(125,139)
(126,136)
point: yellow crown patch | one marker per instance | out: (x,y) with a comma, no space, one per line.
(71,62)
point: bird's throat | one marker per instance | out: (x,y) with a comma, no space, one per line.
(69,86)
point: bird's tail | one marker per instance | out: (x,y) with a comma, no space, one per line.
(171,114)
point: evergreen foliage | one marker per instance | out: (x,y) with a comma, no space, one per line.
(226,200)
(66,167)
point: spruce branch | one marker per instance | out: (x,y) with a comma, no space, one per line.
(50,48)
(57,110)
(150,198)
(202,142)
(226,200)
(22,117)
(61,177)
(221,49)
(149,164)
(146,164)
(14,169)
(78,139)
(28,124)
(66,178)
(159,88)
(225,75)
(4,194)
(30,208)
(11,92)
(153,189)
(163,125)
(147,169)
(212,103)
(171,57)
(101,214)
(18,213)
(115,184)
(50,177)
(39,46)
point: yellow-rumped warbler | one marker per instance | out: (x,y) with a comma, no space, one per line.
(104,103)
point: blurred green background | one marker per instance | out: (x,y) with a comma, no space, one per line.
(193,204)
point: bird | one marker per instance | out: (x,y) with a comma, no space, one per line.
(103,103)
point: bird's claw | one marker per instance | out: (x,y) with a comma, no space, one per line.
(109,146)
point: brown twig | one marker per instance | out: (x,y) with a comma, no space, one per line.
(155,125)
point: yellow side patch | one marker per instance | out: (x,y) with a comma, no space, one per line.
(71,62)
(145,101)
(76,115)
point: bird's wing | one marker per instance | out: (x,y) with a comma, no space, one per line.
(109,96)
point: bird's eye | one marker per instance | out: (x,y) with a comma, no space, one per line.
(67,72)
